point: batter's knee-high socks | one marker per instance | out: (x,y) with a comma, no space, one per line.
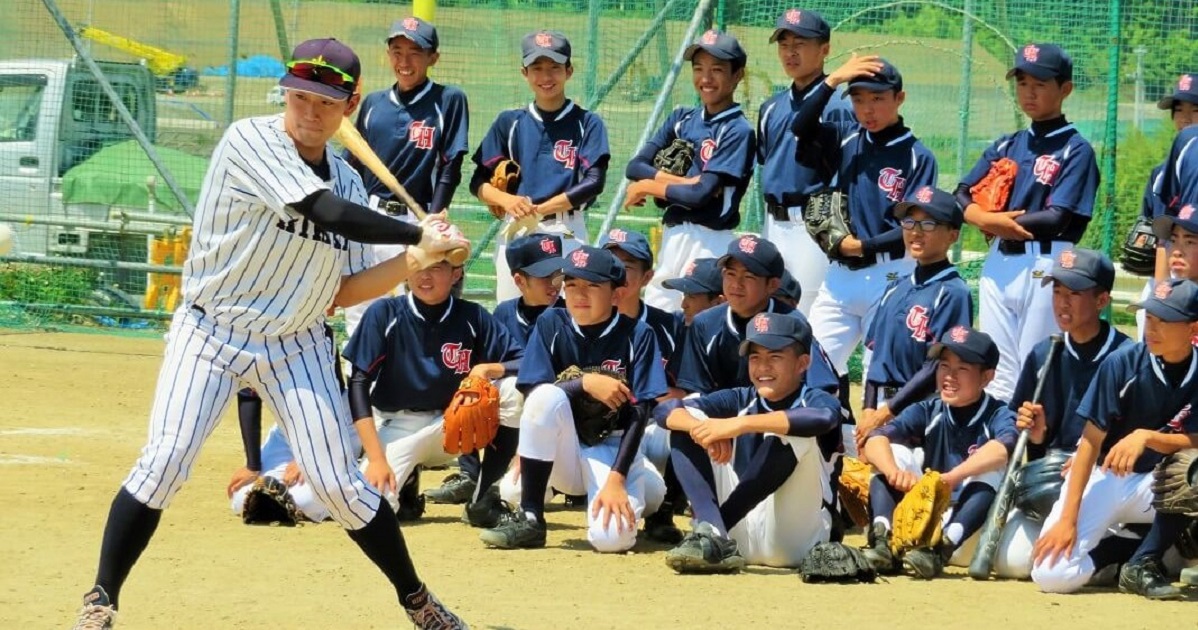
(497,457)
(131,524)
(970,512)
(693,466)
(1165,530)
(771,465)
(534,479)
(882,499)
(384,544)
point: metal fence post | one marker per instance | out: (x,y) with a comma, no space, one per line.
(231,83)
(1110,147)
(964,97)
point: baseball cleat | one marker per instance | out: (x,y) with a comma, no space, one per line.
(1106,576)
(659,526)
(925,563)
(515,531)
(487,511)
(1144,577)
(705,550)
(97,612)
(878,552)
(428,613)
(455,489)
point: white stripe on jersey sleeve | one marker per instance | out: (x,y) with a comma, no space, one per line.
(268,164)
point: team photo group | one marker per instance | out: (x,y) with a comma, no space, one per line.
(693,393)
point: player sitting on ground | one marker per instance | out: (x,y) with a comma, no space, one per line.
(701,286)
(619,484)
(1137,410)
(774,512)
(964,434)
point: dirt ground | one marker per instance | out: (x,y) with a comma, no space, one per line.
(74,418)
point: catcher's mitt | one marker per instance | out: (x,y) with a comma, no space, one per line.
(1139,249)
(1173,484)
(593,420)
(472,418)
(505,178)
(836,562)
(854,489)
(993,191)
(675,159)
(828,221)
(917,518)
(1039,484)
(269,503)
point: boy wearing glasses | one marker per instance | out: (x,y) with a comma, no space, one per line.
(915,310)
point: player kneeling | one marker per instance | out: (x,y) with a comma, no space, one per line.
(965,435)
(774,512)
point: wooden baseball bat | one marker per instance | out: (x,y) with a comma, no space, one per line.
(349,137)
(996,518)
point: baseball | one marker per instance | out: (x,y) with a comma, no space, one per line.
(5,239)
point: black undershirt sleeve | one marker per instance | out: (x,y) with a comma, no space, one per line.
(810,422)
(590,186)
(447,184)
(359,395)
(630,444)
(355,222)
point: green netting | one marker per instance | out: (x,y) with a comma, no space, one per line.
(953,55)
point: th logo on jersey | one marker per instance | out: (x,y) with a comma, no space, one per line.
(891,182)
(455,358)
(1046,169)
(706,150)
(421,134)
(565,152)
(917,322)
(1177,423)
(615,365)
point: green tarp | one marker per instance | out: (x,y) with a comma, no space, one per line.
(116,176)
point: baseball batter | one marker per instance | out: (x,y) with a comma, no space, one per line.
(275,244)
(702,205)
(1050,204)
(561,148)
(779,508)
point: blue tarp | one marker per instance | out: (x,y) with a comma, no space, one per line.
(263,66)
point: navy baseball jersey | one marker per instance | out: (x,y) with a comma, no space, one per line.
(744,401)
(784,180)
(557,150)
(665,328)
(1180,183)
(911,317)
(949,436)
(417,364)
(1056,169)
(1152,206)
(517,321)
(416,135)
(623,344)
(1132,391)
(1065,385)
(710,357)
(724,145)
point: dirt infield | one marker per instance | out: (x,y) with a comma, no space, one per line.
(75,416)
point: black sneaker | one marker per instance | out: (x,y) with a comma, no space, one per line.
(97,612)
(455,489)
(576,501)
(1144,577)
(1106,576)
(428,613)
(705,550)
(411,502)
(515,531)
(926,563)
(659,526)
(878,552)
(487,511)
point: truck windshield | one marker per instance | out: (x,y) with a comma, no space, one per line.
(20,103)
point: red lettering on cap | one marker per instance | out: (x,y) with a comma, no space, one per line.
(564,152)
(748,244)
(924,195)
(689,270)
(958,334)
(709,37)
(1184,83)
(410,24)
(617,235)
(579,258)
(544,40)
(1031,53)
(891,182)
(1186,212)
(793,16)
(1046,169)
(1067,259)
(761,323)
(548,246)
(917,322)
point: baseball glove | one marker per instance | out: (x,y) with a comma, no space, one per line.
(675,159)
(917,518)
(269,503)
(506,178)
(828,221)
(993,191)
(1187,540)
(1173,484)
(836,562)
(1139,249)
(854,489)
(593,420)
(472,418)
(1039,484)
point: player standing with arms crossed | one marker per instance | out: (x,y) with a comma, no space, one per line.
(561,150)
(701,206)
(273,248)
(1050,204)
(803,39)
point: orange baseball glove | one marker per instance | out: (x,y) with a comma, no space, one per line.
(506,177)
(472,418)
(994,190)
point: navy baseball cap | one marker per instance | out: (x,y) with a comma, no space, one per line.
(594,264)
(1043,61)
(718,44)
(757,254)
(775,331)
(549,44)
(973,346)
(939,205)
(1185,218)
(790,287)
(701,275)
(537,255)
(804,24)
(1080,269)
(420,32)
(325,67)
(888,78)
(633,243)
(1172,301)
(1185,90)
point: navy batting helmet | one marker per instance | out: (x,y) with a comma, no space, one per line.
(1040,484)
